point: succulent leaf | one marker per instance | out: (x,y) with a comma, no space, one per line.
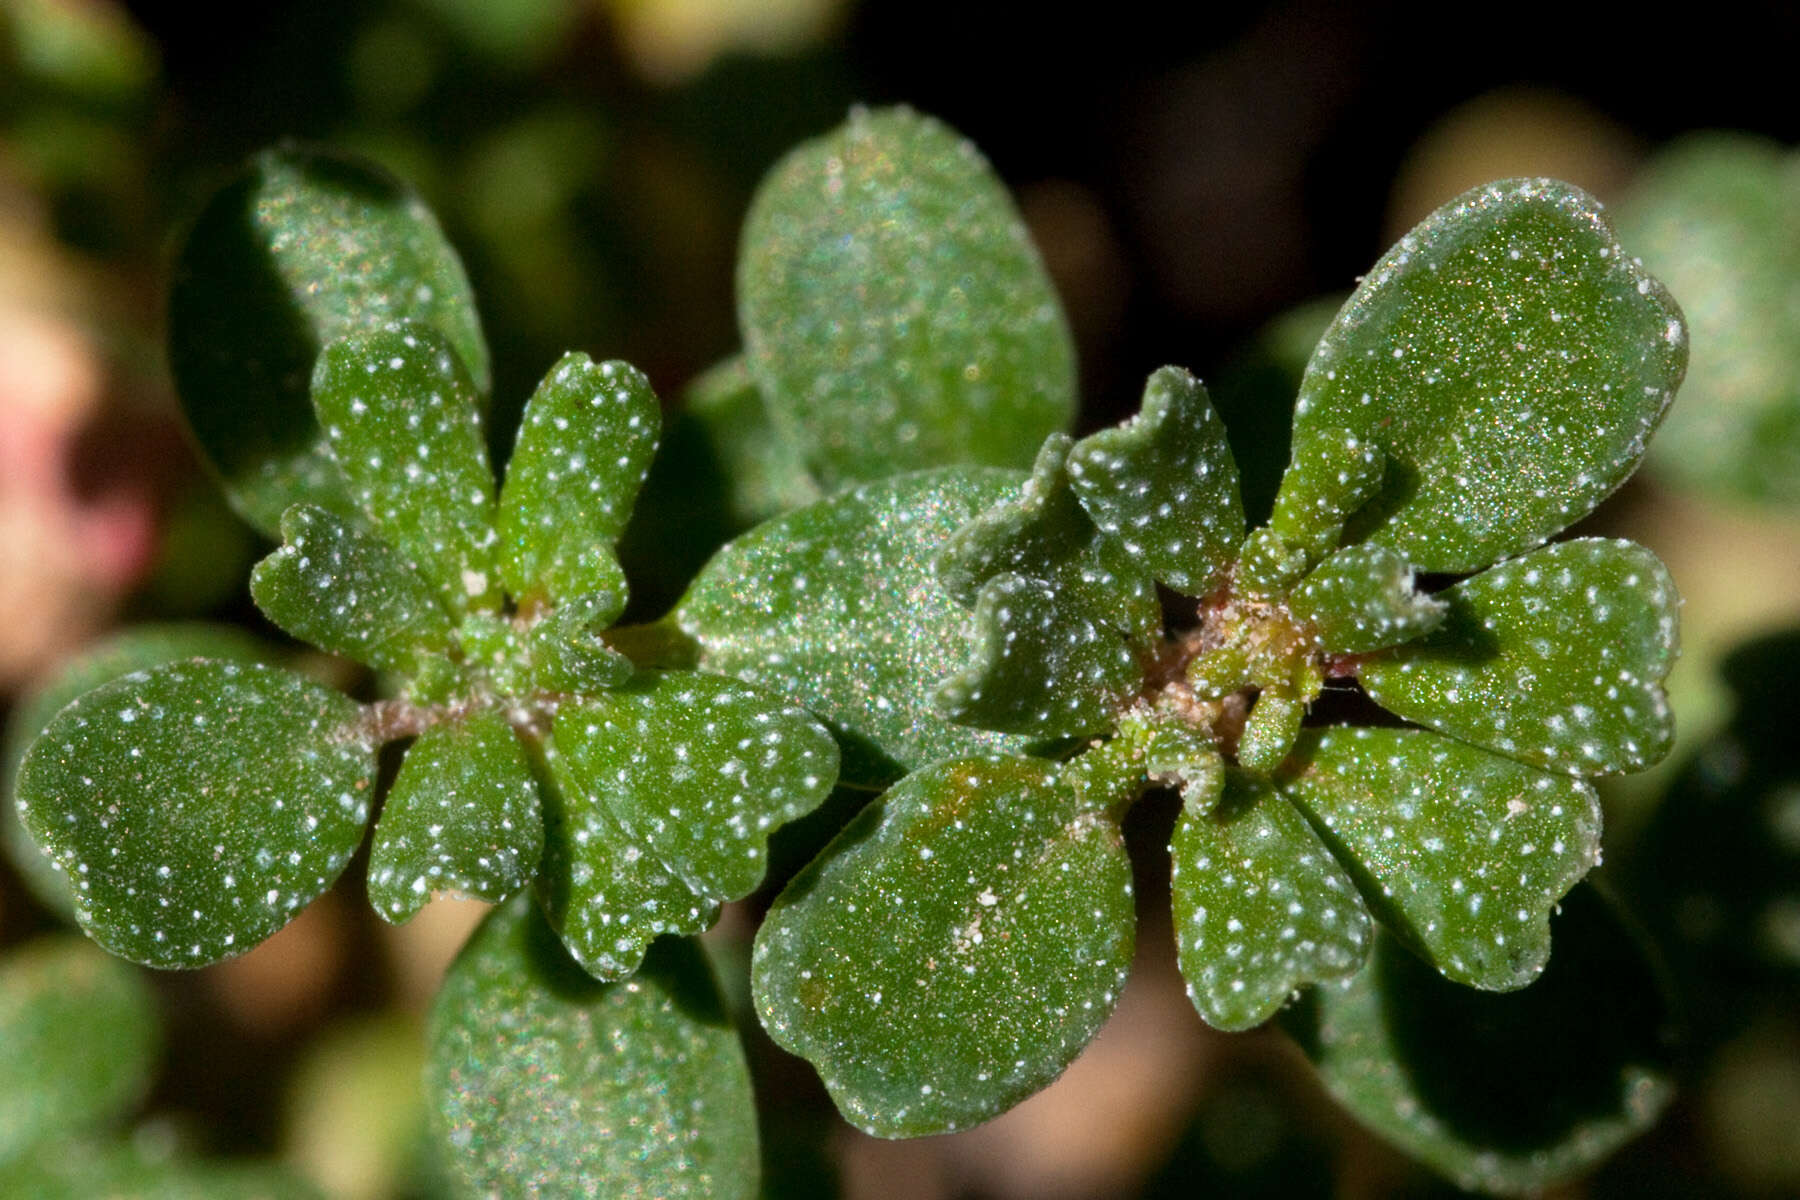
(1260,905)
(603,894)
(198,805)
(1363,598)
(838,606)
(462,819)
(954,949)
(400,416)
(1510,361)
(78,1041)
(349,592)
(895,313)
(1460,852)
(1333,473)
(567,652)
(1512,1093)
(1555,658)
(1165,484)
(585,444)
(543,1081)
(305,246)
(698,769)
(1041,667)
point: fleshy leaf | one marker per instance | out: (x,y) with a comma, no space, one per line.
(605,896)
(1461,853)
(1509,1093)
(302,248)
(401,420)
(1363,598)
(1261,907)
(348,592)
(1509,359)
(567,652)
(1332,473)
(585,444)
(953,949)
(198,805)
(838,606)
(543,1081)
(698,769)
(1555,658)
(461,819)
(762,471)
(1039,668)
(134,649)
(1165,484)
(1044,533)
(894,311)
(1714,215)
(78,1041)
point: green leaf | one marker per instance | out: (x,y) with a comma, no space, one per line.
(401,419)
(567,652)
(1461,853)
(82,1168)
(1044,533)
(838,606)
(1714,215)
(120,654)
(1165,484)
(1041,667)
(953,949)
(585,444)
(1555,658)
(698,769)
(197,806)
(1261,907)
(604,895)
(303,247)
(762,471)
(1363,598)
(1510,361)
(894,311)
(1509,1093)
(461,819)
(78,1041)
(543,1081)
(348,592)
(1332,473)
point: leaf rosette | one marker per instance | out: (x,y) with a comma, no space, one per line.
(1495,377)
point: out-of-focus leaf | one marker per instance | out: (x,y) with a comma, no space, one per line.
(1508,1093)
(698,769)
(585,444)
(544,1081)
(83,1168)
(895,313)
(78,1041)
(348,592)
(1510,360)
(1460,852)
(839,606)
(1363,598)
(303,247)
(1261,907)
(1714,216)
(197,806)
(132,650)
(461,819)
(1165,484)
(401,419)
(954,948)
(1555,658)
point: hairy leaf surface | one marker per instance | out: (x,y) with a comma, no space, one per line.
(1363,598)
